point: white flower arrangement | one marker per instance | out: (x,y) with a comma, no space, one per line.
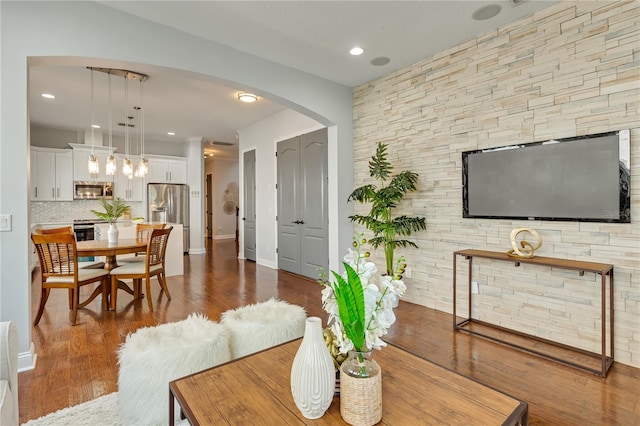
(355,299)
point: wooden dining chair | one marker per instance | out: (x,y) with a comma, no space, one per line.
(59,269)
(61,230)
(143,231)
(69,230)
(152,266)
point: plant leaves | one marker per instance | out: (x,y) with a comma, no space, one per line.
(350,297)
(379,167)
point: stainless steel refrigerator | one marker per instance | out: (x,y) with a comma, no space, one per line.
(169,203)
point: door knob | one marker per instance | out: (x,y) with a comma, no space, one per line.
(301,222)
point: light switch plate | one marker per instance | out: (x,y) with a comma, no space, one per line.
(5,222)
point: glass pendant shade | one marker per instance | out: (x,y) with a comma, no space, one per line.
(127,167)
(94,166)
(143,168)
(111,165)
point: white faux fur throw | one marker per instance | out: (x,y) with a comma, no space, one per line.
(151,357)
(102,411)
(253,328)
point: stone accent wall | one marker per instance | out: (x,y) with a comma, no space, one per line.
(572,69)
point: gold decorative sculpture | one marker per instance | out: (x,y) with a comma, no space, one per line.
(526,248)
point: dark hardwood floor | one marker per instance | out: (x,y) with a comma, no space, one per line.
(79,363)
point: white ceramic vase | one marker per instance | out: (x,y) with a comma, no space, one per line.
(112,234)
(312,373)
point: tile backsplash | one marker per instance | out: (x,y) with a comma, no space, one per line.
(68,211)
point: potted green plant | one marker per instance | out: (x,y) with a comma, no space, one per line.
(386,229)
(113,210)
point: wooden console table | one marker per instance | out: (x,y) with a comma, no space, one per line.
(605,270)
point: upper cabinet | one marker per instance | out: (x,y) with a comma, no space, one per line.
(167,170)
(51,174)
(125,188)
(80,168)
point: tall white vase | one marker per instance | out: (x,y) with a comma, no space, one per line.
(312,373)
(112,234)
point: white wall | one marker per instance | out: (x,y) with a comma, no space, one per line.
(89,34)
(262,137)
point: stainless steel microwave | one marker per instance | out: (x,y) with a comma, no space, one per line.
(92,190)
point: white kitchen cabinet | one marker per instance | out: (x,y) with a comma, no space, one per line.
(81,170)
(125,188)
(167,170)
(51,175)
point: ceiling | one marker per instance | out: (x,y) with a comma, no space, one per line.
(310,36)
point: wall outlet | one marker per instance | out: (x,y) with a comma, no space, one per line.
(407,272)
(474,287)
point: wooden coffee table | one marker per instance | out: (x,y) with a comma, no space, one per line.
(256,389)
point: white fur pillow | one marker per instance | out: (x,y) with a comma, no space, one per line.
(151,357)
(253,328)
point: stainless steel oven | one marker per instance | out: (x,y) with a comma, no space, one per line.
(85,231)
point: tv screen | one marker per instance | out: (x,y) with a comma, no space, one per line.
(583,178)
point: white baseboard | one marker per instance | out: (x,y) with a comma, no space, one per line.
(267,263)
(27,360)
(224,237)
(198,251)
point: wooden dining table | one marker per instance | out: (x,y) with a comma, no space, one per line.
(110,251)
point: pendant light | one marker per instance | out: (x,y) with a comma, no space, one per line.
(111,166)
(93,165)
(127,166)
(143,166)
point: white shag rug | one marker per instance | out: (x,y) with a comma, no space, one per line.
(101,411)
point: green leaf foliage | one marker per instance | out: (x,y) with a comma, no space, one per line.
(383,200)
(350,298)
(112,210)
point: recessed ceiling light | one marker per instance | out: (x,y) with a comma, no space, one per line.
(95,126)
(356,51)
(247,97)
(171,133)
(48,96)
(486,12)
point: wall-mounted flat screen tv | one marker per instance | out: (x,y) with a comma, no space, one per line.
(583,178)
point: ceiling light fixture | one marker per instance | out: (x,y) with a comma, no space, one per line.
(92,164)
(356,51)
(171,133)
(143,166)
(110,168)
(127,166)
(48,96)
(247,97)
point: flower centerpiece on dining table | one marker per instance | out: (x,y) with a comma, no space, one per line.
(360,313)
